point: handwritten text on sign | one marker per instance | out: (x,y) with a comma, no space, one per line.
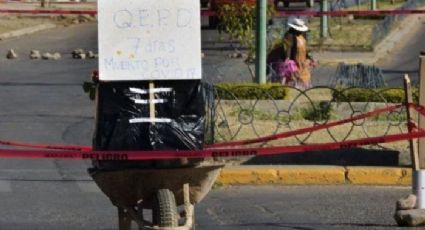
(149,40)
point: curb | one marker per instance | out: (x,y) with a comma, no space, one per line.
(26,31)
(314,175)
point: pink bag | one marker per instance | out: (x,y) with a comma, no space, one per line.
(287,68)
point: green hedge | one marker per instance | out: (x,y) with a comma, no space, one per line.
(251,91)
(388,95)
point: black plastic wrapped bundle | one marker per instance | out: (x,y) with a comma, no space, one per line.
(121,120)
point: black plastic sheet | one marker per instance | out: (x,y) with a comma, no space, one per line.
(184,106)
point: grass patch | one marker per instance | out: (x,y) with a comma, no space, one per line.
(371,128)
(344,32)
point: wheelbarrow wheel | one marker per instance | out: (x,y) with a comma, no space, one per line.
(164,211)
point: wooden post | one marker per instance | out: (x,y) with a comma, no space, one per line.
(412,143)
(422,102)
(124,222)
(151,102)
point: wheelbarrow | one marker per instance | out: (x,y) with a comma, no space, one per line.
(161,190)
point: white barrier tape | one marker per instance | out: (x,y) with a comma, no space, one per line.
(150,120)
(145,101)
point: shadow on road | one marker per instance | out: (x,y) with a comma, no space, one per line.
(355,156)
(299,226)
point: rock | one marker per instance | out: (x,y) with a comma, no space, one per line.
(75,21)
(47,56)
(411,218)
(11,54)
(235,55)
(90,54)
(56,56)
(406,203)
(75,53)
(35,54)
(79,54)
(50,56)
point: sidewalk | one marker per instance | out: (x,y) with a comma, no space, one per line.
(396,39)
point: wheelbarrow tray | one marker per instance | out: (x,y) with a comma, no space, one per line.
(125,188)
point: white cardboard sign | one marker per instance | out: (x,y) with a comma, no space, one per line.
(149,40)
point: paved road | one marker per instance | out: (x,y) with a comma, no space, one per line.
(49,205)
(42,101)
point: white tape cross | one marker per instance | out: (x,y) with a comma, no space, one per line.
(146,91)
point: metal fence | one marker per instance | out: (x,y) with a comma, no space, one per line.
(233,118)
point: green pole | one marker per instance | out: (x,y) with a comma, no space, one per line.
(373,5)
(324,19)
(261,42)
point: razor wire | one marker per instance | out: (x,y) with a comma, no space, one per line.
(358,75)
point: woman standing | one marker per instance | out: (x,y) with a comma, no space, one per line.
(291,60)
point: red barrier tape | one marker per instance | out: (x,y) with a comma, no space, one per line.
(43,146)
(339,13)
(64,12)
(50,3)
(225,152)
(84,152)
(419,108)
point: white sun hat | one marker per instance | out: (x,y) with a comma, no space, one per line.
(297,24)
